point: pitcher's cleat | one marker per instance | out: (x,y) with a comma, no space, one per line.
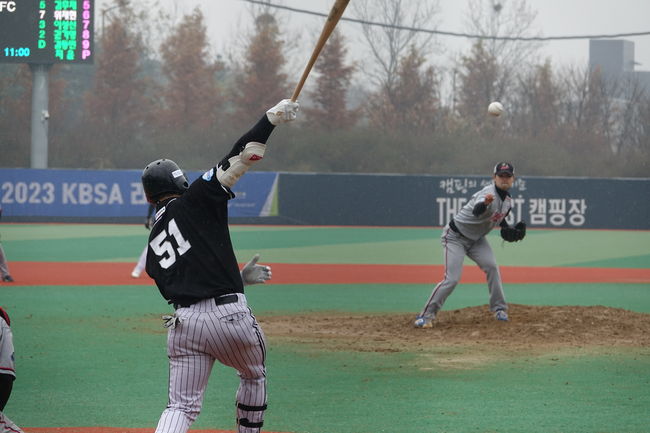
(501,315)
(423,322)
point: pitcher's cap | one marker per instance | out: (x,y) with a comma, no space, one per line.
(504,167)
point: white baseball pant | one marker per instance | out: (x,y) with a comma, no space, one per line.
(206,332)
(455,248)
(7,426)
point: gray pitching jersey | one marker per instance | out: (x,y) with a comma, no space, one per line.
(474,227)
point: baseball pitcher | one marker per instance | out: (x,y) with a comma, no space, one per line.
(465,236)
(192,261)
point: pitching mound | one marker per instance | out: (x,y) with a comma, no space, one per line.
(530,328)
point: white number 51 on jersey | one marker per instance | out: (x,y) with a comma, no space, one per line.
(162,246)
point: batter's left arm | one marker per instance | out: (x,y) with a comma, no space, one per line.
(250,148)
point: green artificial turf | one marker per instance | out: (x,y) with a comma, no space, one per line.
(96,355)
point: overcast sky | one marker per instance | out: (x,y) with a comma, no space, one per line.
(226,18)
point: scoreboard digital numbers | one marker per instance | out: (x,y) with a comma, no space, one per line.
(46,31)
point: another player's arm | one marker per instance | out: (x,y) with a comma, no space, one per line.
(250,148)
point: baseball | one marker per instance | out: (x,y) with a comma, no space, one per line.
(495,109)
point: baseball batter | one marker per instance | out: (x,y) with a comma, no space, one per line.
(192,261)
(7,371)
(465,236)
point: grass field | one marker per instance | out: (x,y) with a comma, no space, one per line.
(95,355)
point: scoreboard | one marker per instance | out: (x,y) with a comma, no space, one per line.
(47,31)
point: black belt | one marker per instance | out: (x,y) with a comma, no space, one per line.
(221,300)
(452,225)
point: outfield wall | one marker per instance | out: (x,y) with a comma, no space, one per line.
(332,199)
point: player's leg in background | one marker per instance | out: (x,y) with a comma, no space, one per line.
(142,262)
(189,370)
(453,250)
(4,267)
(481,252)
(7,426)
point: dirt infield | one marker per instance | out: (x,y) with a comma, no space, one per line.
(109,273)
(530,329)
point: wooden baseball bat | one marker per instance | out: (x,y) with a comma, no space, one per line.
(332,19)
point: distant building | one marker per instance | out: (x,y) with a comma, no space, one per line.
(615,60)
(644,79)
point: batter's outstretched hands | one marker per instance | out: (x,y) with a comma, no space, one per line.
(252,273)
(285,111)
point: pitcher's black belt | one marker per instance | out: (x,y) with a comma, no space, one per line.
(220,300)
(452,225)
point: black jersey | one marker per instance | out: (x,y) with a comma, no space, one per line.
(190,253)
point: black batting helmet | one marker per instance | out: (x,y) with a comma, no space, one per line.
(163,177)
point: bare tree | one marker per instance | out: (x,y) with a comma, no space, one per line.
(585,102)
(627,113)
(510,18)
(391,41)
(509,58)
(534,109)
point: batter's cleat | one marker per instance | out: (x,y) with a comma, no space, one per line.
(501,315)
(135,274)
(7,279)
(422,322)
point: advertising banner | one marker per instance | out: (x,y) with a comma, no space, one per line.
(409,200)
(106,194)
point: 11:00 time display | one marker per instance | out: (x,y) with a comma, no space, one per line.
(16,52)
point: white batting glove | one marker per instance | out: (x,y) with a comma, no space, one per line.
(171,321)
(252,273)
(285,111)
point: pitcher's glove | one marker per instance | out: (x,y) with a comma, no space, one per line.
(514,234)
